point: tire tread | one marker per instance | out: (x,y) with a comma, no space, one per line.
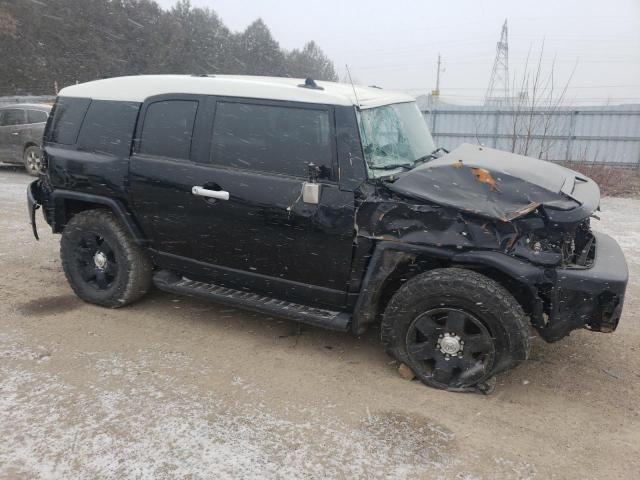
(139,266)
(445,280)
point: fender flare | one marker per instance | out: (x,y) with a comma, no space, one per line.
(121,212)
(388,255)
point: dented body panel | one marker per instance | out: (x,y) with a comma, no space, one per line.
(498,185)
(508,216)
(523,222)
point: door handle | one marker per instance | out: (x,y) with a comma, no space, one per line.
(203,192)
(15,133)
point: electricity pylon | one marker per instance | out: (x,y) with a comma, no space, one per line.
(498,90)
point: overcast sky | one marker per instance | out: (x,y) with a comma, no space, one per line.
(395,44)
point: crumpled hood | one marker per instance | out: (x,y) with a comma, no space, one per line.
(498,185)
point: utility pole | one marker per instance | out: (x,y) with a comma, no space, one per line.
(436,92)
(498,90)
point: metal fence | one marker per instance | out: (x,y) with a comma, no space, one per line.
(604,135)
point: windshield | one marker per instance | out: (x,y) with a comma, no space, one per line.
(394,136)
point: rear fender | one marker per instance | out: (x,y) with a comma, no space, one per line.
(60,201)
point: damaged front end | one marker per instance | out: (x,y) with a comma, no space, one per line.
(525,220)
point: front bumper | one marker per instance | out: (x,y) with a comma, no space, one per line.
(588,297)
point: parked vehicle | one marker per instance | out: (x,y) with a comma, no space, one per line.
(327,204)
(21,129)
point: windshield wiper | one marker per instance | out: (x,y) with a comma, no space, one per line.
(430,156)
(407,166)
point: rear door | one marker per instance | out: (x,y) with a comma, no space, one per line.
(36,121)
(12,131)
(161,173)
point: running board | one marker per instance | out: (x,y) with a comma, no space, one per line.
(319,317)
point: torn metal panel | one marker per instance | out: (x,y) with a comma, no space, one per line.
(394,220)
(496,184)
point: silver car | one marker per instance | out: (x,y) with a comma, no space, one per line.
(21,130)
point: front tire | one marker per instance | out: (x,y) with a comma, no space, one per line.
(32,158)
(455,328)
(103,265)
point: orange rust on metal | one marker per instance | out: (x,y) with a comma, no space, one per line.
(484,176)
(523,211)
(457,164)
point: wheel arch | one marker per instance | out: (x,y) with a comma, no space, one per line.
(68,203)
(29,143)
(392,264)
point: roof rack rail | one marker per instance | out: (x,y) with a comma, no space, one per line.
(310,83)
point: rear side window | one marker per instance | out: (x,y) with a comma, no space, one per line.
(67,118)
(13,116)
(168,128)
(108,127)
(36,116)
(271,138)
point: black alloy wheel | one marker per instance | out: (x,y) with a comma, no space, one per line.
(101,261)
(453,346)
(96,260)
(455,329)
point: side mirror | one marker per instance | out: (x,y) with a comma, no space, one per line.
(314,172)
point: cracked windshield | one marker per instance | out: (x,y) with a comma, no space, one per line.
(394,137)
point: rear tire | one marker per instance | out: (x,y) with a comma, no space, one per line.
(103,265)
(32,158)
(455,329)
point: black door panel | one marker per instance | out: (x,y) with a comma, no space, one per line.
(264,228)
(264,237)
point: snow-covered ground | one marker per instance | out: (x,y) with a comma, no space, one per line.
(177,388)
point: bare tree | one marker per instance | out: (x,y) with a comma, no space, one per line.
(535,110)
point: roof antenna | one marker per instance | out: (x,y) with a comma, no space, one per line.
(353,86)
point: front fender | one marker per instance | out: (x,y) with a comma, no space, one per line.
(388,256)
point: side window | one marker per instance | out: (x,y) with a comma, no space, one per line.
(67,119)
(108,127)
(36,116)
(168,128)
(13,116)
(270,138)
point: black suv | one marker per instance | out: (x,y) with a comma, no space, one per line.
(328,204)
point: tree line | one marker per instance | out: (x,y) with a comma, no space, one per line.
(46,44)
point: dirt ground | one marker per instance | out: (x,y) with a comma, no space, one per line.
(178,388)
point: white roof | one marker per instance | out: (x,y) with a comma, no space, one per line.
(138,88)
